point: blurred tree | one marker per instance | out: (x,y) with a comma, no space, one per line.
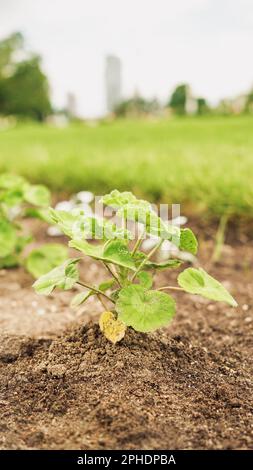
(202,106)
(8,47)
(137,106)
(24,89)
(249,102)
(179,98)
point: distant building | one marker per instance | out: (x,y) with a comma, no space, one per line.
(191,105)
(113,82)
(71,106)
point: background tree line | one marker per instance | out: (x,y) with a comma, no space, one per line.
(24,88)
(25,93)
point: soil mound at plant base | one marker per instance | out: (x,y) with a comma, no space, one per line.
(149,392)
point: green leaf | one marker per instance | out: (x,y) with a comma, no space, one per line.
(41,260)
(145,279)
(22,241)
(76,224)
(104,286)
(115,294)
(188,241)
(12,197)
(170,263)
(94,251)
(153,224)
(138,210)
(10,261)
(65,221)
(10,181)
(41,214)
(80,298)
(115,252)
(197,281)
(8,238)
(37,194)
(144,310)
(117,199)
(64,277)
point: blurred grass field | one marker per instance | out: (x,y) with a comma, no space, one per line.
(206,164)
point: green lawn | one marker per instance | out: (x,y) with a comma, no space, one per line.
(204,163)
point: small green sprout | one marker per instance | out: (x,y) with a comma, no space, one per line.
(128,297)
(19,199)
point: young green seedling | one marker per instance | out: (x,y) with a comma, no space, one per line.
(128,297)
(19,199)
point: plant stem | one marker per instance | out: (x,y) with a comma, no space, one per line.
(170,288)
(138,242)
(146,259)
(112,273)
(94,289)
(220,237)
(100,298)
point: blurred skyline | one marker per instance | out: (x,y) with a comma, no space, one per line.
(161,43)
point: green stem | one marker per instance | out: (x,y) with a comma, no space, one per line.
(138,242)
(146,259)
(112,273)
(170,288)
(220,237)
(100,298)
(94,289)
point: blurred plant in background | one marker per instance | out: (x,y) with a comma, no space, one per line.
(18,200)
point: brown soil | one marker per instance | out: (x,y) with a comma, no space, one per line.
(186,387)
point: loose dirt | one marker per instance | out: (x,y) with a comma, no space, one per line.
(64,386)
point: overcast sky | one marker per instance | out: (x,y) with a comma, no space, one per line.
(207,43)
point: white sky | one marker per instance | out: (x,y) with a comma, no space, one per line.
(207,43)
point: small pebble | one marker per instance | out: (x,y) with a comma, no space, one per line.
(245,307)
(248,320)
(41,311)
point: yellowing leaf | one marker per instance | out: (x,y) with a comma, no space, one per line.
(113,328)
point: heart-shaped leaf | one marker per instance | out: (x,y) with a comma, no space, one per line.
(64,277)
(144,310)
(197,281)
(113,328)
(145,279)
